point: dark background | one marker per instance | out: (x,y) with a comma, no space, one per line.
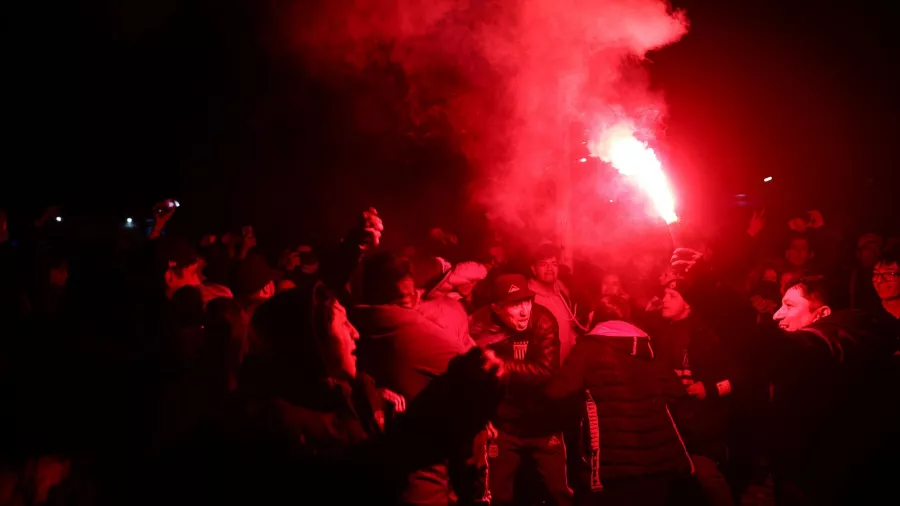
(112,106)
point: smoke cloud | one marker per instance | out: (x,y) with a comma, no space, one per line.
(520,82)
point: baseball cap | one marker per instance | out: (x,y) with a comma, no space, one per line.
(430,273)
(511,288)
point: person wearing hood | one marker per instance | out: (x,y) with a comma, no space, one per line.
(635,452)
(525,336)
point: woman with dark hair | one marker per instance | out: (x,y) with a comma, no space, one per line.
(308,424)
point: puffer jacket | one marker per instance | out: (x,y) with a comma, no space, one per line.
(401,349)
(531,359)
(627,393)
(450,315)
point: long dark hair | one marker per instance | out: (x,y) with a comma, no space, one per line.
(288,332)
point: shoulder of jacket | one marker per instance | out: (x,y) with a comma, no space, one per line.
(540,313)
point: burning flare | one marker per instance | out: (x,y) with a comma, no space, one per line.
(635,160)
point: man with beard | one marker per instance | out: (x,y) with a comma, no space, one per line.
(886,279)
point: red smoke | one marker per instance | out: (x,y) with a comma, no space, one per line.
(518,80)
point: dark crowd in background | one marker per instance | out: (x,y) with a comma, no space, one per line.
(758,365)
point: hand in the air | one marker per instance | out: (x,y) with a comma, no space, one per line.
(757,223)
(683,259)
(371,228)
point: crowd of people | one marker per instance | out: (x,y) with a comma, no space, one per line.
(166,371)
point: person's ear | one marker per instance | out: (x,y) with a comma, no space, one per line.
(533,271)
(496,309)
(823,312)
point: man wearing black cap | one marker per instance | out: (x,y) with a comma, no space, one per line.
(525,336)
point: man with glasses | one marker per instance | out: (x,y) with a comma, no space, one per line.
(886,279)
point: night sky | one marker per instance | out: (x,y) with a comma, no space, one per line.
(118,104)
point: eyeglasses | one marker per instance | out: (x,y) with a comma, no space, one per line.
(886,275)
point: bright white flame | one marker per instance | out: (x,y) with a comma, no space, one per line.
(59,218)
(766,180)
(583,160)
(128,220)
(637,161)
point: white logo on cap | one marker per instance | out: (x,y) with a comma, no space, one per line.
(513,288)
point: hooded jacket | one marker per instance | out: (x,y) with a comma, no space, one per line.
(627,393)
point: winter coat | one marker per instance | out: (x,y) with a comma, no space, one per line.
(694,352)
(830,391)
(531,358)
(450,315)
(401,349)
(627,394)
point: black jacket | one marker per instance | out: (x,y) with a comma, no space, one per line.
(694,351)
(630,429)
(829,393)
(531,358)
(831,390)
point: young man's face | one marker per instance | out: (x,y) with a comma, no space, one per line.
(868,254)
(340,347)
(798,252)
(515,315)
(886,279)
(611,285)
(797,312)
(408,295)
(673,305)
(546,270)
